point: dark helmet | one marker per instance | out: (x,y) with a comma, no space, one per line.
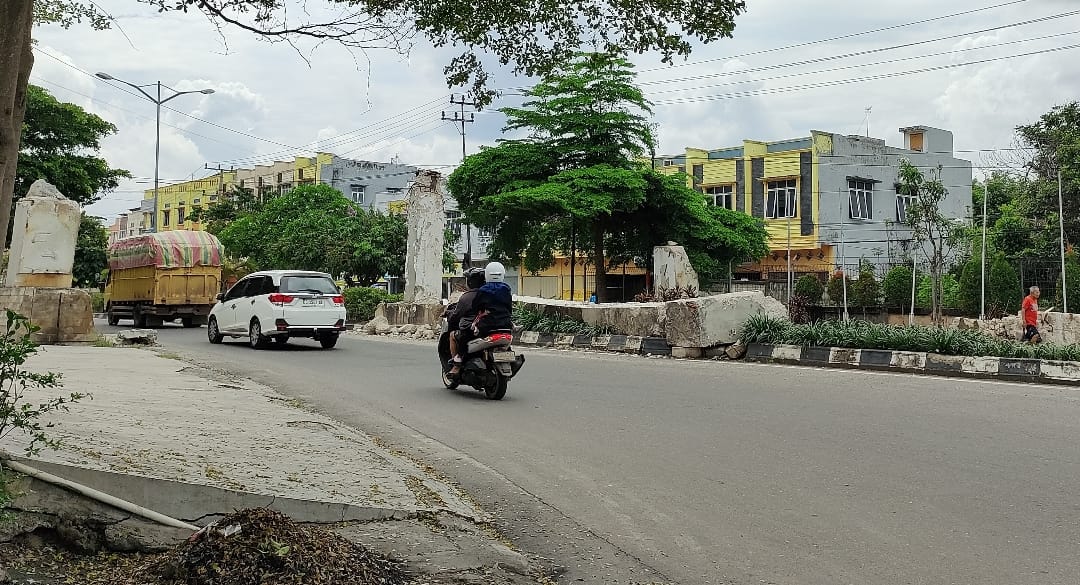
(474,278)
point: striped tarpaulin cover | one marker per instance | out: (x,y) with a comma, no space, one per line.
(172,249)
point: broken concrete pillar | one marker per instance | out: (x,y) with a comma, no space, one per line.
(43,239)
(424,250)
(672,268)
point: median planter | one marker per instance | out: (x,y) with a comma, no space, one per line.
(1009,369)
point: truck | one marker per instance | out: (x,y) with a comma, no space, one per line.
(164,276)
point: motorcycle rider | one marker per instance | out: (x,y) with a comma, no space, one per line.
(492,307)
(461,320)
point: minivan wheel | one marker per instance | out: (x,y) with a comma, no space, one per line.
(212,332)
(328,341)
(255,335)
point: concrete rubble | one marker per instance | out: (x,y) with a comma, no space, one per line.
(1059,328)
(195,444)
(137,337)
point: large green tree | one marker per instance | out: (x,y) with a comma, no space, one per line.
(314,227)
(60,142)
(1054,141)
(531,37)
(576,181)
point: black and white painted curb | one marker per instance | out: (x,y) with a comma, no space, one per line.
(614,343)
(1010,369)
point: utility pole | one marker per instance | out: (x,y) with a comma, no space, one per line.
(1061,227)
(843,253)
(459,117)
(982,307)
(221,177)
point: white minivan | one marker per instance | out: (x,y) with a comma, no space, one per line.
(276,305)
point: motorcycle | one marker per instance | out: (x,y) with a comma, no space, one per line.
(490,364)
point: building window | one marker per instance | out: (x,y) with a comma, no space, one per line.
(336,174)
(165,217)
(453,223)
(357,193)
(180,216)
(300,174)
(168,205)
(213,198)
(860,196)
(196,201)
(484,236)
(393,190)
(720,196)
(669,163)
(903,203)
(780,202)
(284,189)
(279,177)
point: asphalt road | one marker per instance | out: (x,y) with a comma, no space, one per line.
(625,469)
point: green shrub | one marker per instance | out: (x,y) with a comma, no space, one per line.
(1072,281)
(360,301)
(897,287)
(809,287)
(950,292)
(97,301)
(856,334)
(1002,286)
(835,288)
(867,291)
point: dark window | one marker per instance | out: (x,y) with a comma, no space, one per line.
(780,202)
(180,215)
(165,217)
(237,291)
(720,196)
(308,283)
(860,197)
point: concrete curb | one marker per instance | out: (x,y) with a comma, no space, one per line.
(1008,369)
(612,343)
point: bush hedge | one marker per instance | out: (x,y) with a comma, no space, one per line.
(530,320)
(856,334)
(360,302)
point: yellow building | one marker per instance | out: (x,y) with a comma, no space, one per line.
(176,202)
(776,181)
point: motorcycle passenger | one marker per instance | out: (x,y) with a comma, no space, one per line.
(495,302)
(461,320)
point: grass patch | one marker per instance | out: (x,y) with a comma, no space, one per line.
(103,341)
(865,335)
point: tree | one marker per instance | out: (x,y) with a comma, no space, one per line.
(533,38)
(576,181)
(315,227)
(897,287)
(1002,285)
(90,252)
(227,210)
(867,291)
(810,288)
(935,234)
(836,285)
(1055,143)
(59,141)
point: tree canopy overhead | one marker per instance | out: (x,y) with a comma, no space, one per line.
(577,181)
(531,37)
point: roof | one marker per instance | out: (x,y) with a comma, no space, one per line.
(280,273)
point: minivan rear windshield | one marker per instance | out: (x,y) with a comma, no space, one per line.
(308,284)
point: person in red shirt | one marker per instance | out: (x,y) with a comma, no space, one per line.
(1030,311)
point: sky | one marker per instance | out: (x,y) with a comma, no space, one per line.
(792,67)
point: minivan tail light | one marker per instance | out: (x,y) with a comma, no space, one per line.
(339,300)
(280,299)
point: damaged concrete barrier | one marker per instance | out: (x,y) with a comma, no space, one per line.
(715,320)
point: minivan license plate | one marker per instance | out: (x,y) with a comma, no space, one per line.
(309,302)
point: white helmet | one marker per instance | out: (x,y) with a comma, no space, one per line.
(494,272)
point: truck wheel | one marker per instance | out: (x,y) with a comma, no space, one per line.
(113,318)
(138,318)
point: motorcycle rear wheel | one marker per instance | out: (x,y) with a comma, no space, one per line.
(497,390)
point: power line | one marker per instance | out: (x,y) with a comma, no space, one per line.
(864,52)
(819,85)
(858,66)
(837,38)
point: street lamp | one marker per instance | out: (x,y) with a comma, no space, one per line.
(157,133)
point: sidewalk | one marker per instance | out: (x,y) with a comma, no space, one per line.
(156,417)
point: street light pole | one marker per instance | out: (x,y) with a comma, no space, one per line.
(157,101)
(1061,227)
(982,306)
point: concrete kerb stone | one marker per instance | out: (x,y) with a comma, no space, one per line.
(1011,369)
(201,504)
(612,343)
